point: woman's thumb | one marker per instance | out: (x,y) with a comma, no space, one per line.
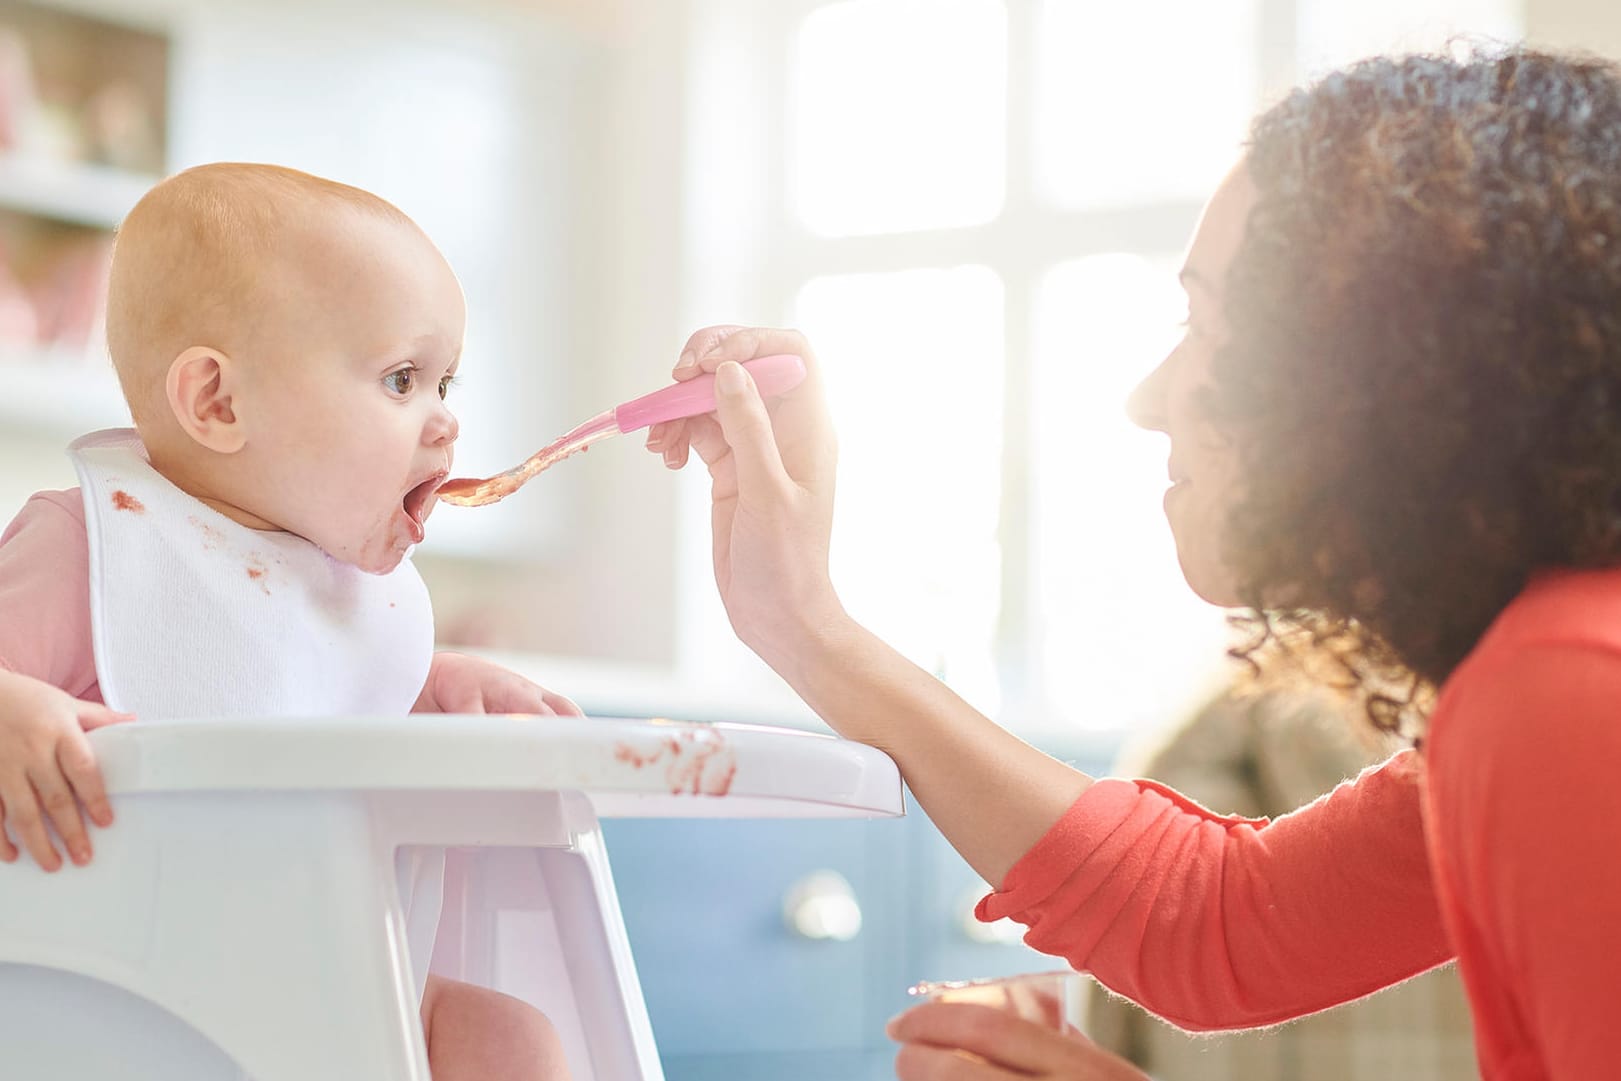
(747,427)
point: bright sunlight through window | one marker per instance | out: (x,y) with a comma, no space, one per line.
(898,114)
(1119,120)
(914,373)
(1111,602)
(976,209)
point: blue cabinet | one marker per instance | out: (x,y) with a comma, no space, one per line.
(735,995)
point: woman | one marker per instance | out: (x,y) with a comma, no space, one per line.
(1395,439)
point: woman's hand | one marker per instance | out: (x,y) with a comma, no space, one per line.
(771,467)
(48,771)
(460,683)
(955,1041)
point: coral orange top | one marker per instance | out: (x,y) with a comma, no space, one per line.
(1500,845)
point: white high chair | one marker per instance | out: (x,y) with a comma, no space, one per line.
(243,914)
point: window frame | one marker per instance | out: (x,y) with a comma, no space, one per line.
(771,255)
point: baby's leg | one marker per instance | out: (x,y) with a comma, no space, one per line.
(475,1034)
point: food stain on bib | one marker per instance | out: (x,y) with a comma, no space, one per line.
(212,538)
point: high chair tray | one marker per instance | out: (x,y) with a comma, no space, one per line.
(626,768)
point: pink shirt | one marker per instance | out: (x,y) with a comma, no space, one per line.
(1500,847)
(45,595)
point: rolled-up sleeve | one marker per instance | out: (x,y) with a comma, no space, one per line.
(1216,922)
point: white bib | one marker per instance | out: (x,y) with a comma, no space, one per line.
(193,615)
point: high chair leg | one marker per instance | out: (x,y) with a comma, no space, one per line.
(543,924)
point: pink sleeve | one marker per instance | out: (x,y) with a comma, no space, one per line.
(1529,773)
(45,594)
(1216,922)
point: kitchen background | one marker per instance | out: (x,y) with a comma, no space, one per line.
(989,193)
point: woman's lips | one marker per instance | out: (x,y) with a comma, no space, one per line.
(1178,486)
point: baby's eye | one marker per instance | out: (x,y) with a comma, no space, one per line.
(445,384)
(401,381)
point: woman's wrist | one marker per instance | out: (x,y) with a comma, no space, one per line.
(811,640)
(842,670)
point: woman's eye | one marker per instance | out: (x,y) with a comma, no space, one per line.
(400,382)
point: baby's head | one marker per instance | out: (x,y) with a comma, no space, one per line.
(285,343)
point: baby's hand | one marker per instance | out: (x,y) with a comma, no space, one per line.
(47,768)
(458,683)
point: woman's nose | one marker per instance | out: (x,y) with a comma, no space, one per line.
(1145,406)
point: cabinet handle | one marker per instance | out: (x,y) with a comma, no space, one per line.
(822,906)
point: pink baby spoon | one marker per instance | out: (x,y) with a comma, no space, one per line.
(773,375)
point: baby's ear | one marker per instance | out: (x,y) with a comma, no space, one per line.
(199,390)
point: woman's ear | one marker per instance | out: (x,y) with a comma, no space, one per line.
(200,389)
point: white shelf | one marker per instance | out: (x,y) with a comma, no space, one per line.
(58,394)
(93,195)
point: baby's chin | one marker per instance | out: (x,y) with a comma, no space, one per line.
(378,556)
(383,560)
(384,566)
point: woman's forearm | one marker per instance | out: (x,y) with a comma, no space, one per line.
(991,794)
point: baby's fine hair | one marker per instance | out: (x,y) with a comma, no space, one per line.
(189,259)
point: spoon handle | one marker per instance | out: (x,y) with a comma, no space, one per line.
(772,375)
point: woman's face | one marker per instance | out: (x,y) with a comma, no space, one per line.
(1203,465)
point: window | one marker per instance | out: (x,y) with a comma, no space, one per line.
(890,136)
(976,210)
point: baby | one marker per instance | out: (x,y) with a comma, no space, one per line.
(285,344)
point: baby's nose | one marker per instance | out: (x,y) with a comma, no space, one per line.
(444,428)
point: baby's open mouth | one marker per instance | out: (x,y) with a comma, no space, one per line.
(418,504)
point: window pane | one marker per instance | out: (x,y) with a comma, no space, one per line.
(1141,101)
(898,115)
(914,372)
(1333,33)
(1123,642)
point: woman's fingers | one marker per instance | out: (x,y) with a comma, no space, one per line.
(804,428)
(808,446)
(747,426)
(664,433)
(1011,1042)
(698,345)
(921,1062)
(669,439)
(704,435)
(746,343)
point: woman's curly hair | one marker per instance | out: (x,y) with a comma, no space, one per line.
(1424,368)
